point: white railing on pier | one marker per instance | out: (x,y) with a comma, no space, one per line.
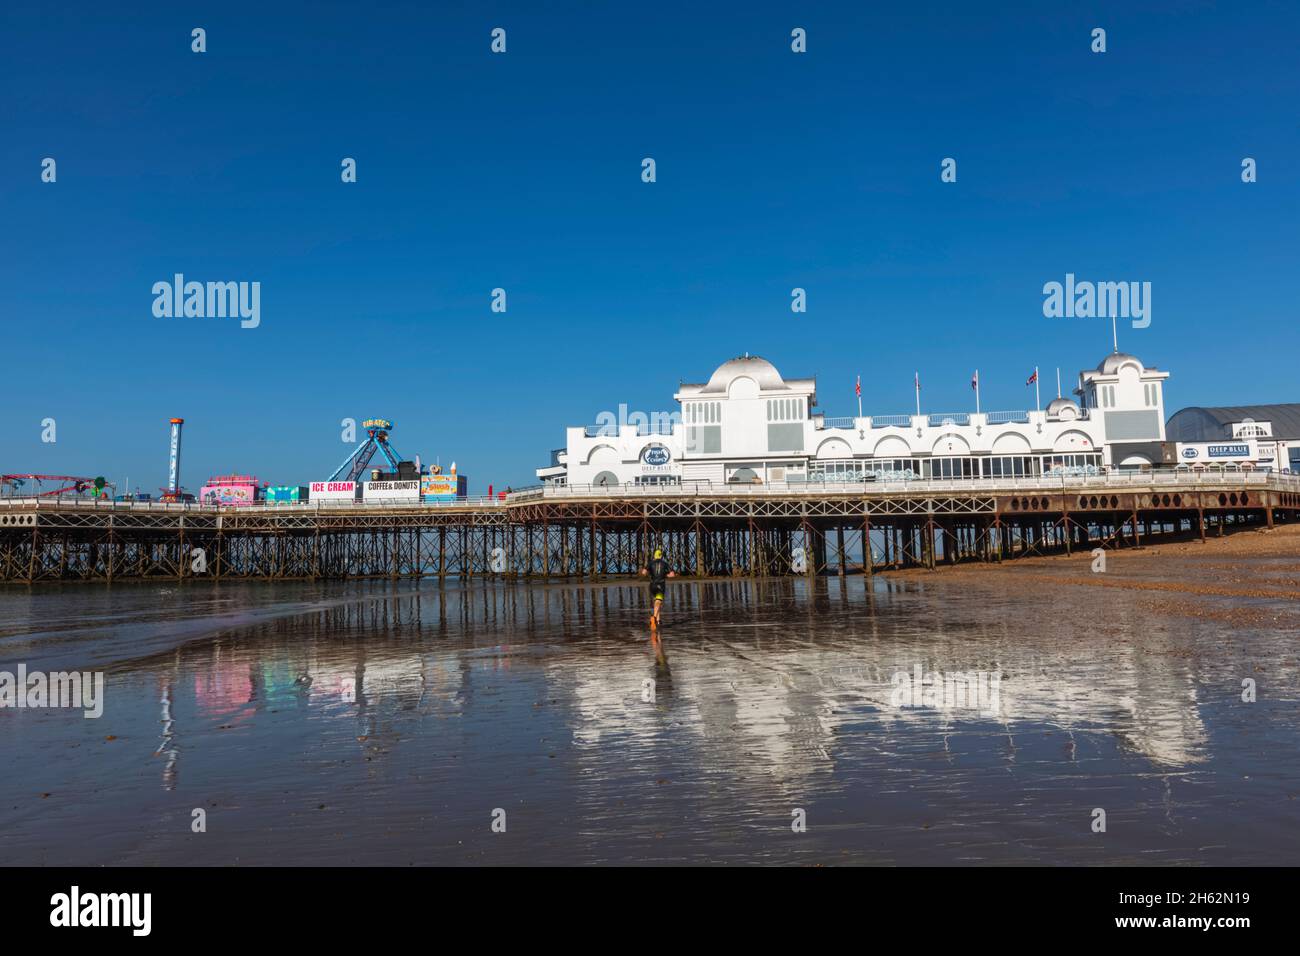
(643,429)
(891,421)
(1120,480)
(949,418)
(1129,481)
(81,503)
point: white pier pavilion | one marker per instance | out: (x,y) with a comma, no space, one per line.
(749,425)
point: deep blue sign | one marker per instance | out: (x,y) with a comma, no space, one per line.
(1229,451)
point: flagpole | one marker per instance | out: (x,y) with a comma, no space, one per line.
(918,394)
(977,391)
(1058,381)
(1038,402)
(859,396)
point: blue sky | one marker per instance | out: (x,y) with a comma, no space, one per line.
(522,171)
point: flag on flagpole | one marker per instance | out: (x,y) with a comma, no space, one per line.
(1033,378)
(858,388)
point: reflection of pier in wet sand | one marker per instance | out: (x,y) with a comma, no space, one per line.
(383,722)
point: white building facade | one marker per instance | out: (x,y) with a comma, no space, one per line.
(749,425)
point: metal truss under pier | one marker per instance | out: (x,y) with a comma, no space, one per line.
(571,532)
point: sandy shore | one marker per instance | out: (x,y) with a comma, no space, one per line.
(1239,578)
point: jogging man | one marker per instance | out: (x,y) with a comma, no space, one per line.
(659,575)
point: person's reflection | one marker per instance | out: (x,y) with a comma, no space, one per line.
(663,674)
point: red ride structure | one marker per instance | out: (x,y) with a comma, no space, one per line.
(67,484)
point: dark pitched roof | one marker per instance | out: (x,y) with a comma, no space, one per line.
(1209,424)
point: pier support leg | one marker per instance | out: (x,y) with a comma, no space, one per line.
(31,560)
(867,560)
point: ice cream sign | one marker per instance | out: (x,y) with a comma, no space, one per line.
(333,490)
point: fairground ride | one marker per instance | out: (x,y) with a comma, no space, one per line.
(354,465)
(16,485)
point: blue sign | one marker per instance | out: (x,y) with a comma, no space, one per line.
(1229,451)
(656,456)
(1190,453)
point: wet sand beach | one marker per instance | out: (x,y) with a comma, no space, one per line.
(380,723)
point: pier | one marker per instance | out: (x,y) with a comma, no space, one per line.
(706,530)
